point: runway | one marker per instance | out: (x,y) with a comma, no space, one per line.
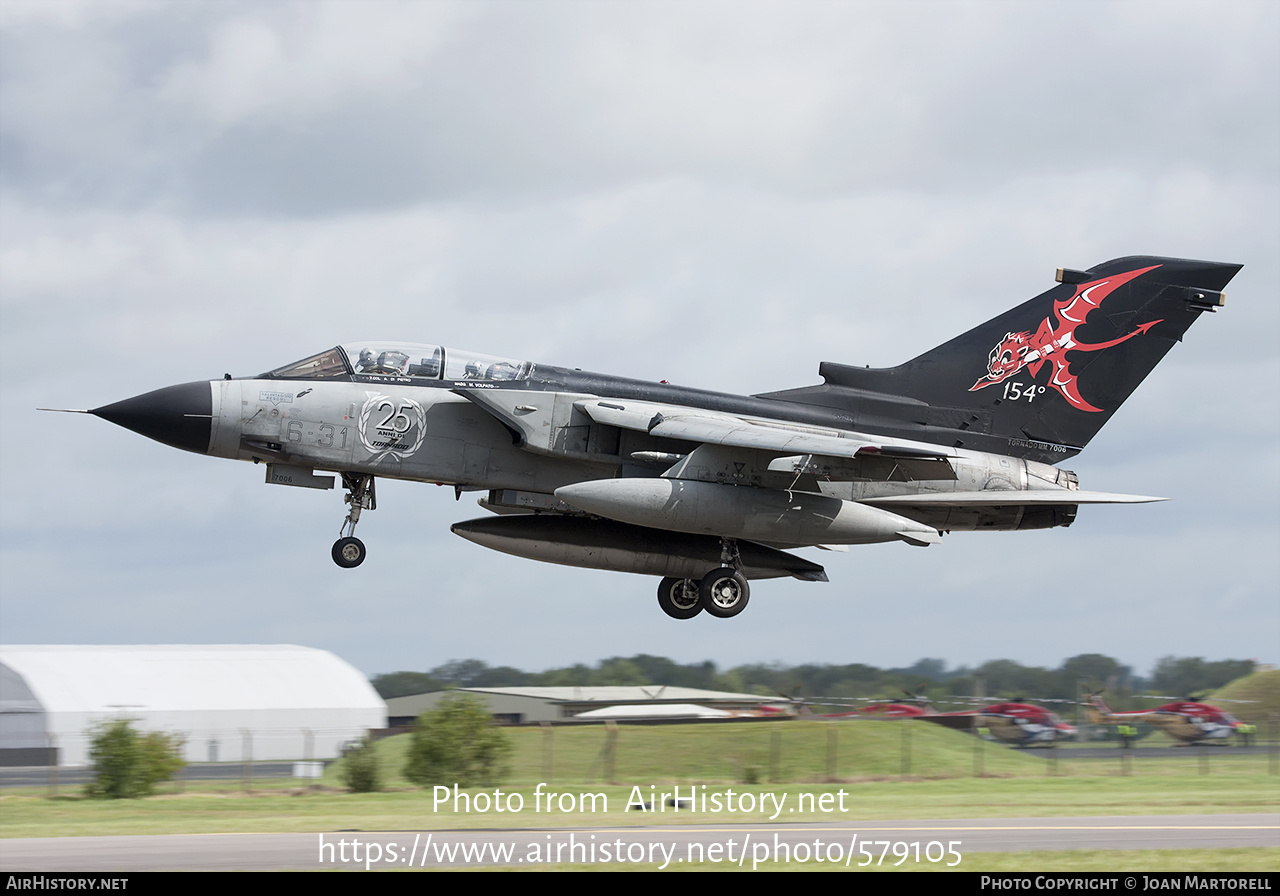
(847,844)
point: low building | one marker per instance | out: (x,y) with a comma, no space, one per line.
(229,703)
(522,705)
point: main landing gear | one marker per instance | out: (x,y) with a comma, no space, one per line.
(722,592)
(349,551)
(679,598)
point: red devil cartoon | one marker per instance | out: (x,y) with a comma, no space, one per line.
(1051,341)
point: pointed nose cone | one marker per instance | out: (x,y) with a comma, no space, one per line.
(181,416)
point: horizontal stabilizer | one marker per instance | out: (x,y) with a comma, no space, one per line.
(1008,498)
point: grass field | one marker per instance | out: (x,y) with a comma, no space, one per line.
(798,751)
(713,758)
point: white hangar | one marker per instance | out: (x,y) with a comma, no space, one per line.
(229,702)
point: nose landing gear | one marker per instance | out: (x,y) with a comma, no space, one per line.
(349,551)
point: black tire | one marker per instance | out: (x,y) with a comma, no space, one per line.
(724,592)
(348,552)
(680,598)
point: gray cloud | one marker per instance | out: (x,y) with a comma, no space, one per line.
(319,108)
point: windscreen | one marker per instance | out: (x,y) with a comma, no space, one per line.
(324,366)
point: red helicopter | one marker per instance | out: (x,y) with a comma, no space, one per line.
(1024,724)
(1019,724)
(1186,721)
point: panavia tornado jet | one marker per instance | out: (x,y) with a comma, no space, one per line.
(704,489)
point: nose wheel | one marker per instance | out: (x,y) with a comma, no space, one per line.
(349,551)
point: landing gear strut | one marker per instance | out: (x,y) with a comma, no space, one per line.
(724,591)
(349,551)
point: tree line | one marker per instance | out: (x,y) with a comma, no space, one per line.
(929,678)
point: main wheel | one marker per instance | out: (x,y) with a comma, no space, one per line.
(348,552)
(680,598)
(724,592)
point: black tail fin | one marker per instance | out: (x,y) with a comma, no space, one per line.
(1040,380)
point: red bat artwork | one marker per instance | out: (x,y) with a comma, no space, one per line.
(1055,338)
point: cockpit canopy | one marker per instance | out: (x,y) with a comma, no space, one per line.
(403,360)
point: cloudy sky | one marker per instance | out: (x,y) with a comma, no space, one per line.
(718,194)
